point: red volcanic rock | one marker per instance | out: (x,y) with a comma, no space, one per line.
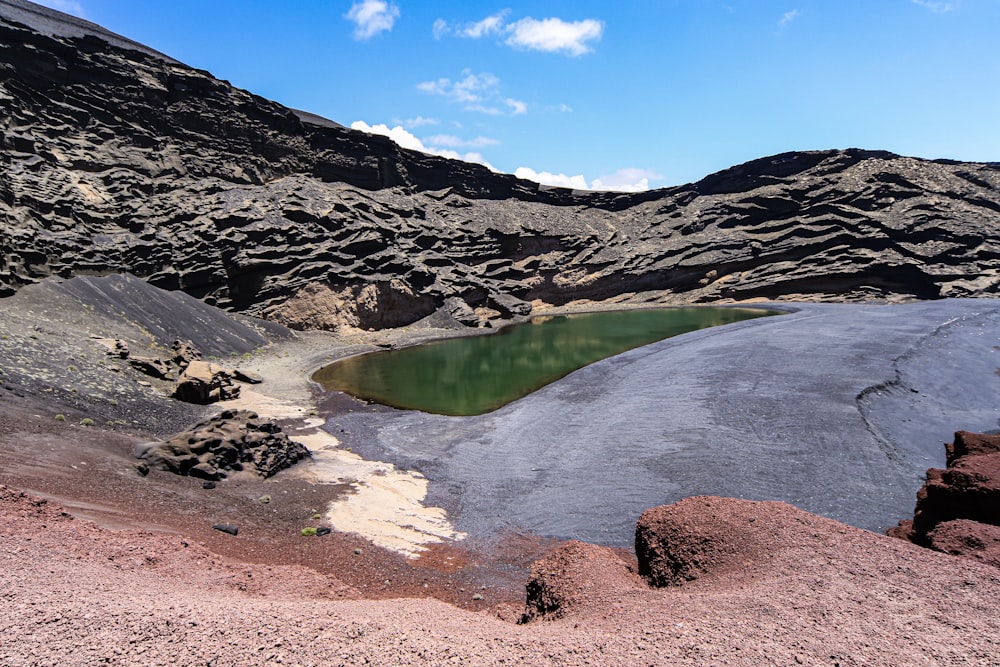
(958,509)
(968,489)
(711,537)
(575,572)
(970,539)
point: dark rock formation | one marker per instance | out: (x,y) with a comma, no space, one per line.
(204,383)
(116,158)
(233,441)
(958,509)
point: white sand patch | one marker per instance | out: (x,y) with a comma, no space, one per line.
(266,406)
(387,505)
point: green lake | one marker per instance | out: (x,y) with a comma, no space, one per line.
(477,374)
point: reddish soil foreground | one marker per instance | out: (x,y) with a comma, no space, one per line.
(744,583)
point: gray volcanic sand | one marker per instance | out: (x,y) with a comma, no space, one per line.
(836,409)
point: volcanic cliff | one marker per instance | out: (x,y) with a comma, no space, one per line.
(116,158)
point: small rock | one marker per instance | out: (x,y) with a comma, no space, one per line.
(358,552)
(477,596)
(208,485)
(142,469)
(264,500)
(248,377)
(323,530)
(230,528)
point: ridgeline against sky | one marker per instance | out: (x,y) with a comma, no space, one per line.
(605,95)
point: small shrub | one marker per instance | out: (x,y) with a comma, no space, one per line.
(86,421)
(308,531)
(317,516)
(60,418)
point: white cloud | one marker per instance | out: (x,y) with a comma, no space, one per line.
(406,139)
(565,108)
(451,141)
(440,28)
(371,17)
(555,35)
(788,17)
(469,89)
(65,6)
(937,7)
(577,182)
(552,34)
(420,121)
(488,26)
(478,92)
(518,108)
(623,180)
(629,179)
(397,134)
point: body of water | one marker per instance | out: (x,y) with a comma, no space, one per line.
(477,374)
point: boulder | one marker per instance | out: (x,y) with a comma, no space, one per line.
(958,508)
(184,352)
(233,441)
(203,382)
(156,368)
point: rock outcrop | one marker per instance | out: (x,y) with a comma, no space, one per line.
(116,158)
(233,441)
(203,383)
(958,508)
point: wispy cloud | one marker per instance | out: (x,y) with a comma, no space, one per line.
(420,121)
(470,88)
(937,7)
(440,28)
(371,17)
(488,26)
(477,92)
(517,107)
(408,140)
(552,35)
(787,18)
(66,6)
(451,141)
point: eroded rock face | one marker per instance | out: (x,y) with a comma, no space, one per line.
(233,441)
(376,305)
(958,508)
(118,159)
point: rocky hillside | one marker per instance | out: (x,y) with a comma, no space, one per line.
(116,158)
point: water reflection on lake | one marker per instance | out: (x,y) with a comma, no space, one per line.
(477,374)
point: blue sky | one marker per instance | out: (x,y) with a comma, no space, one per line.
(606,95)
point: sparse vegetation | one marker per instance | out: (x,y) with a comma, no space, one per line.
(86,421)
(60,418)
(309,531)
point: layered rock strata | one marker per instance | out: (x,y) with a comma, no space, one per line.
(116,158)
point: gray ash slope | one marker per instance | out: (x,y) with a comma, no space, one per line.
(118,159)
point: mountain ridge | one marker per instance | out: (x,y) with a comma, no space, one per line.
(121,160)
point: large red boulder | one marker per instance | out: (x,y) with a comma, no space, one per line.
(958,508)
